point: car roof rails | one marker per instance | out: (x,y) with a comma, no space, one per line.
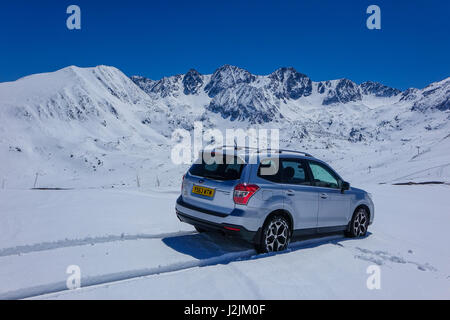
(235,147)
(301,152)
(290,151)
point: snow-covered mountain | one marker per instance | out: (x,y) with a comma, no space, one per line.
(75,123)
(236,93)
(96,126)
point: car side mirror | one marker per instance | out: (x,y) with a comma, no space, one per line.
(345,186)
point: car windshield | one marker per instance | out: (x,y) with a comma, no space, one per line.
(230,169)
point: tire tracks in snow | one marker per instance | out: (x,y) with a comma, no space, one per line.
(51,245)
(61,287)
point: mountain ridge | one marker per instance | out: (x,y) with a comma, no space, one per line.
(78,122)
(235,93)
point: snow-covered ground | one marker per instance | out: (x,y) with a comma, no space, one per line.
(130,245)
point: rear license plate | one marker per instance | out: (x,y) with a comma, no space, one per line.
(203,191)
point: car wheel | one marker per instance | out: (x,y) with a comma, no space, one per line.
(358,225)
(199,230)
(276,235)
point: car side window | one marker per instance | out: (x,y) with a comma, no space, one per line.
(323,176)
(293,171)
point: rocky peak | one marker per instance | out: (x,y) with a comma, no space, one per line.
(227,76)
(167,86)
(410,94)
(377,89)
(340,91)
(436,96)
(144,83)
(192,81)
(288,83)
(245,103)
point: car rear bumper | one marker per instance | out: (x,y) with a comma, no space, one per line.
(190,214)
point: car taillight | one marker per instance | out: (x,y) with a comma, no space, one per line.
(182,183)
(243,192)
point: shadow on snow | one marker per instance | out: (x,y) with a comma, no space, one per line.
(209,245)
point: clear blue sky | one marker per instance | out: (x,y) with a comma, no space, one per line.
(324,39)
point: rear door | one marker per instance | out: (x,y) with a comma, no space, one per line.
(211,186)
(300,195)
(333,204)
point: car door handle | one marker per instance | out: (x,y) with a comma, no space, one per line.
(323,195)
(290,192)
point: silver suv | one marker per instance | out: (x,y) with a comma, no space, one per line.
(268,197)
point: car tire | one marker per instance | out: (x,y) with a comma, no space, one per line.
(275,236)
(359,223)
(199,230)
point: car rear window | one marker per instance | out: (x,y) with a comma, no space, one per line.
(230,169)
